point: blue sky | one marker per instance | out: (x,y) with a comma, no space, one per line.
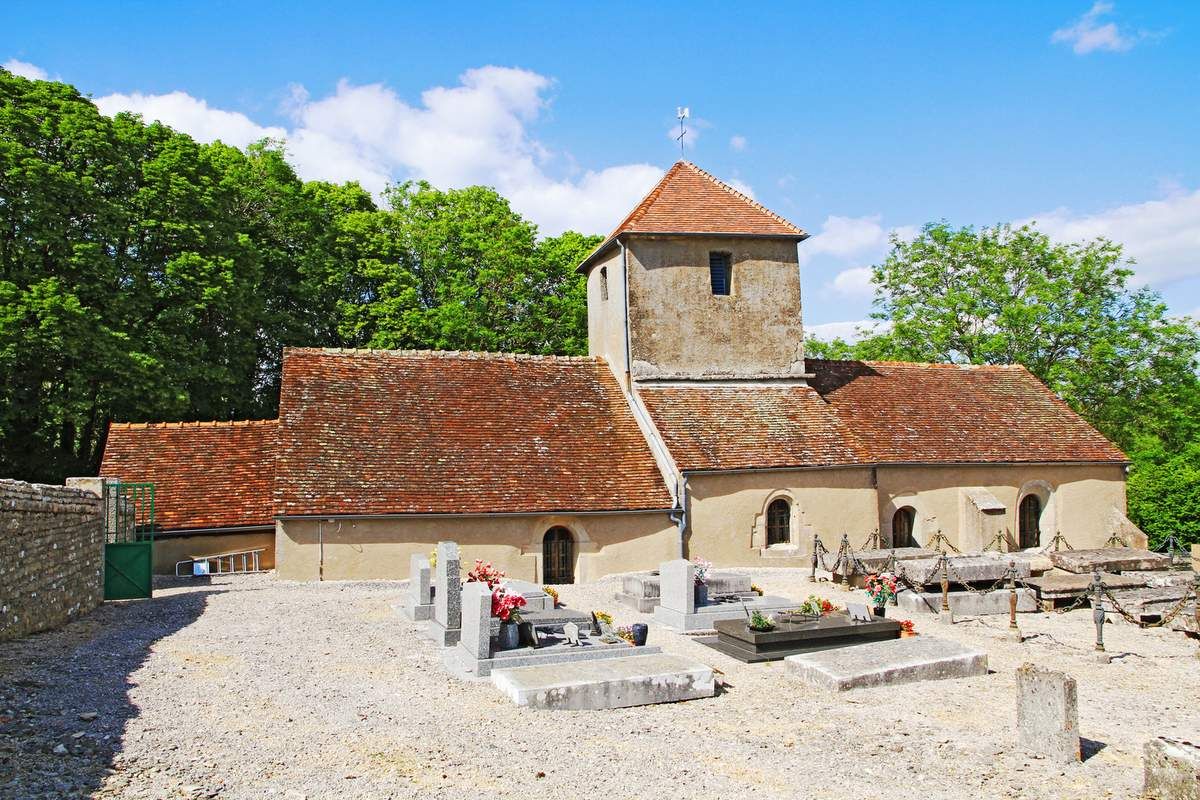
(849,119)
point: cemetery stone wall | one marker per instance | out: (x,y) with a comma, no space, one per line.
(51,556)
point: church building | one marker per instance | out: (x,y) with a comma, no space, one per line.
(695,427)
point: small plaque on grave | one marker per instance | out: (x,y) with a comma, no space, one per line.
(571,631)
(858,612)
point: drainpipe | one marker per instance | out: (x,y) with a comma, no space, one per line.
(320,550)
(628,346)
(678,515)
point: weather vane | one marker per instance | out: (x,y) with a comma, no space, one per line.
(681,113)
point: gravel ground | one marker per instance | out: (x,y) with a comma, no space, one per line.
(249,687)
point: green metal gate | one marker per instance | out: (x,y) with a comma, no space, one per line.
(129,540)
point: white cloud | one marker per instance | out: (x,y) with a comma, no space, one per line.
(476,132)
(741,186)
(850,331)
(737,143)
(1088,33)
(26,70)
(1162,236)
(186,113)
(846,237)
(854,282)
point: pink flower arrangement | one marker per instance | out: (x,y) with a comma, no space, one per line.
(484,572)
(505,605)
(880,588)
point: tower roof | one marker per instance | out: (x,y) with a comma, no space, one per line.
(690,201)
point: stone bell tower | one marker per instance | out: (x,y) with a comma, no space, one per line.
(698,283)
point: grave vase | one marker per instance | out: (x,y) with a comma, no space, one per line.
(527,635)
(880,611)
(640,631)
(510,636)
(701,595)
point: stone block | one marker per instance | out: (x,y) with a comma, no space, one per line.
(419,605)
(963,569)
(677,580)
(876,560)
(917,658)
(1047,714)
(447,596)
(476,633)
(1109,559)
(706,617)
(635,680)
(1150,604)
(1171,770)
(642,591)
(966,604)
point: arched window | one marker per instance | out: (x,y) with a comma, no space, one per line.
(1030,521)
(779,522)
(558,556)
(903,523)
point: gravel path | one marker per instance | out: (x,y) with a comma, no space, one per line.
(249,687)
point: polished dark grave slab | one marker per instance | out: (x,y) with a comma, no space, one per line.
(735,639)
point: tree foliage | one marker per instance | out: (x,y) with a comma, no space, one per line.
(145,276)
(1067,312)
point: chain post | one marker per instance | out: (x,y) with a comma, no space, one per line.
(945,585)
(845,560)
(1012,595)
(812,578)
(1098,609)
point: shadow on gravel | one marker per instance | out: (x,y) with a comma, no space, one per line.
(52,683)
(1089,747)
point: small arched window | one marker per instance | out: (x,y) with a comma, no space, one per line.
(903,522)
(1030,522)
(604,283)
(779,522)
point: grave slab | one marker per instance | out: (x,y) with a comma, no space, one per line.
(1150,604)
(637,680)
(1039,563)
(1057,586)
(1109,559)
(419,606)
(642,590)
(963,569)
(917,658)
(735,639)
(1047,714)
(704,618)
(876,560)
(447,596)
(966,604)
(1171,769)
(1167,578)
(535,598)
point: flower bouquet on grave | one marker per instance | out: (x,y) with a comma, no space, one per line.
(550,590)
(701,589)
(484,572)
(761,622)
(505,606)
(602,622)
(906,628)
(816,606)
(880,588)
(625,634)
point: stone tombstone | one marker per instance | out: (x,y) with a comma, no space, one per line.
(1171,770)
(476,634)
(447,600)
(1047,714)
(677,580)
(420,591)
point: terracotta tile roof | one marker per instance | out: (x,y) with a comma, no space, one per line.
(875,413)
(945,413)
(392,432)
(690,200)
(205,474)
(757,427)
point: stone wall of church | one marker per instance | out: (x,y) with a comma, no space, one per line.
(1077,499)
(606,312)
(380,549)
(678,327)
(727,513)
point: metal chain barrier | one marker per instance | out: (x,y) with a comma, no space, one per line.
(1115,541)
(940,542)
(1059,539)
